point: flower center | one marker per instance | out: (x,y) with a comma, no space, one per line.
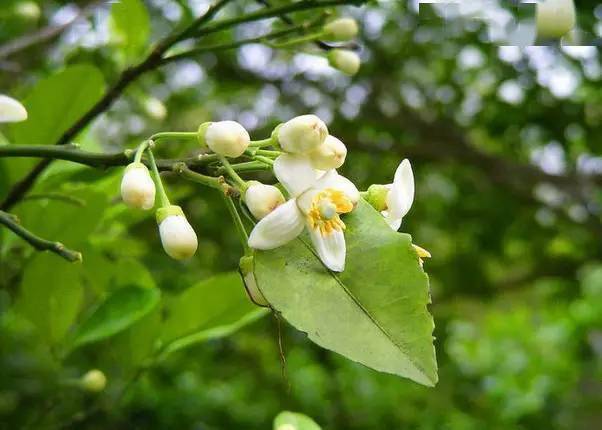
(325,209)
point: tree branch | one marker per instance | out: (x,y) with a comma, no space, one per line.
(12,223)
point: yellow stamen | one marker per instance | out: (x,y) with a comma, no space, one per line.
(325,209)
(422,253)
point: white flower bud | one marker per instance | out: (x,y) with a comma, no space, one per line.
(344,60)
(555,18)
(261,199)
(28,10)
(155,108)
(137,187)
(93,381)
(11,110)
(227,138)
(177,236)
(330,155)
(340,30)
(301,134)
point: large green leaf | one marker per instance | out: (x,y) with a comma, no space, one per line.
(294,421)
(375,312)
(51,294)
(213,308)
(56,102)
(119,311)
(130,27)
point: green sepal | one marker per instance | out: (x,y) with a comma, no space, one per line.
(166,211)
(135,165)
(201,133)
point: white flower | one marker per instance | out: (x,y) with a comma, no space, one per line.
(344,60)
(11,110)
(262,199)
(555,18)
(93,381)
(330,155)
(227,138)
(400,196)
(137,187)
(177,236)
(317,203)
(301,134)
(341,30)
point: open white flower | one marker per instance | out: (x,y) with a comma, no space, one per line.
(317,201)
(400,196)
(11,110)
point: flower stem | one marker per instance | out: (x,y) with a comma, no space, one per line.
(187,135)
(262,143)
(298,40)
(268,153)
(240,182)
(209,181)
(240,228)
(141,148)
(162,195)
(248,166)
(265,160)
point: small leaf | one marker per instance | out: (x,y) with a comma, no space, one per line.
(375,312)
(130,27)
(213,308)
(119,311)
(294,421)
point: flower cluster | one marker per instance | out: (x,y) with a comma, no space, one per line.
(311,196)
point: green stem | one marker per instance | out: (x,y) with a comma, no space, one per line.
(187,135)
(141,150)
(265,160)
(240,228)
(296,41)
(268,153)
(12,223)
(261,143)
(209,181)
(240,182)
(162,195)
(248,166)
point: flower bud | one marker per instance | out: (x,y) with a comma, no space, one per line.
(28,10)
(301,134)
(340,30)
(227,138)
(93,381)
(248,277)
(137,187)
(155,108)
(555,18)
(262,199)
(377,196)
(177,236)
(11,110)
(344,60)
(330,155)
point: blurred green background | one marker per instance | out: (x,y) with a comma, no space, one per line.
(505,143)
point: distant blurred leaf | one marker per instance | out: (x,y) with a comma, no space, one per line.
(51,295)
(375,312)
(130,27)
(213,308)
(119,311)
(56,102)
(294,421)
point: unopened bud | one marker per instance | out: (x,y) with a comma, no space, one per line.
(155,108)
(11,110)
(137,187)
(248,277)
(377,196)
(261,199)
(227,138)
(555,18)
(340,30)
(28,10)
(301,134)
(177,236)
(93,381)
(330,155)
(344,60)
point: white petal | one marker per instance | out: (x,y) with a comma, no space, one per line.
(332,179)
(394,222)
(11,110)
(401,195)
(331,248)
(279,227)
(295,173)
(178,238)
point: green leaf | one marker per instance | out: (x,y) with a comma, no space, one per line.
(375,312)
(130,27)
(213,308)
(51,294)
(56,102)
(119,311)
(294,421)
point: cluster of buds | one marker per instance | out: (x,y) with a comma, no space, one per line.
(342,30)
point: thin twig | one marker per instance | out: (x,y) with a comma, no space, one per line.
(12,223)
